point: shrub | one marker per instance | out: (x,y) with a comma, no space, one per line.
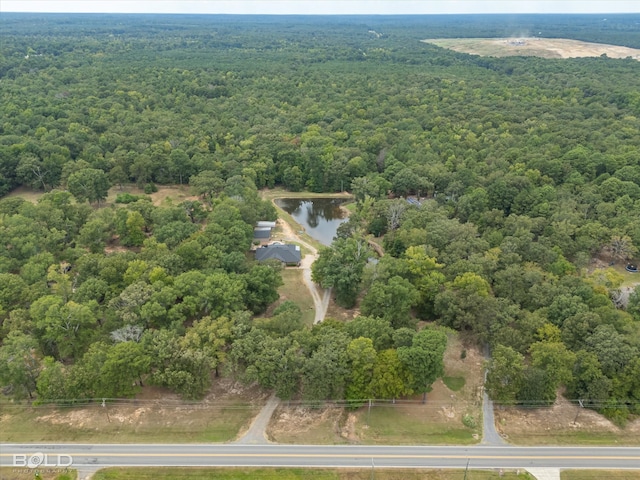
(128,198)
(150,188)
(468,421)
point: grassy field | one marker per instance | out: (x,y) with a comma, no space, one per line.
(166,194)
(585,437)
(146,422)
(294,290)
(28,194)
(600,474)
(629,279)
(8,473)
(410,424)
(300,474)
(271,193)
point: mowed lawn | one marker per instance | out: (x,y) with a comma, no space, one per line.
(301,474)
(600,474)
(296,291)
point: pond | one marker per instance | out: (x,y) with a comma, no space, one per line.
(320,217)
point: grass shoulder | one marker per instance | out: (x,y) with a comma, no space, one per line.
(302,474)
(563,424)
(155,416)
(13,473)
(600,474)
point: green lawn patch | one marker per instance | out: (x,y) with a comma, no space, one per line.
(350,207)
(567,437)
(409,424)
(454,383)
(295,290)
(600,474)
(301,474)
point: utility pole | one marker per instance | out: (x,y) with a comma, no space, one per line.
(104,405)
(373,473)
(466,469)
(578,412)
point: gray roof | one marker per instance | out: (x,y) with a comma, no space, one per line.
(264,223)
(285,253)
(262,232)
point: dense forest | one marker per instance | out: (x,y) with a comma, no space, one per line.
(527,172)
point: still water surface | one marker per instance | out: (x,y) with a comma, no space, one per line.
(320,217)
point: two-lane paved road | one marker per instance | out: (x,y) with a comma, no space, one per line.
(331,456)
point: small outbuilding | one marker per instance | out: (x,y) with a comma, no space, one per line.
(265,224)
(262,234)
(288,254)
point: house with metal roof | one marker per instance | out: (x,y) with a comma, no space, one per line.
(288,254)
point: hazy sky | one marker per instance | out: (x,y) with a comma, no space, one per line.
(324,6)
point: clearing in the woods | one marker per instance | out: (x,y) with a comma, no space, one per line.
(534,47)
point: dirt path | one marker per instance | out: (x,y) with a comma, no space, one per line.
(320,296)
(490,435)
(256,433)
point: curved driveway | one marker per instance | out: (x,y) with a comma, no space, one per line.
(320,302)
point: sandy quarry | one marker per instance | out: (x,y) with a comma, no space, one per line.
(533,46)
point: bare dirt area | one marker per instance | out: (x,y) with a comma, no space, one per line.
(305,425)
(155,415)
(534,47)
(562,423)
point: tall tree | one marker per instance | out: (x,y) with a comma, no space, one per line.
(391,379)
(505,375)
(362,360)
(424,359)
(19,364)
(391,300)
(70,327)
(89,184)
(340,266)
(588,383)
(621,247)
(466,304)
(379,330)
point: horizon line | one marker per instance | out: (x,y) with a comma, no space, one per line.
(311,14)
